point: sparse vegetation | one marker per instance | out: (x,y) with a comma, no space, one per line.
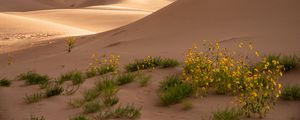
(174,90)
(144,79)
(289,62)
(35,97)
(71,41)
(187,105)
(76,103)
(53,90)
(33,78)
(102,66)
(291,92)
(80,117)
(75,76)
(108,87)
(92,107)
(32,117)
(125,78)
(110,101)
(91,94)
(169,63)
(127,112)
(228,114)
(5,82)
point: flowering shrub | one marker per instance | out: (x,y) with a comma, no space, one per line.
(226,72)
(108,63)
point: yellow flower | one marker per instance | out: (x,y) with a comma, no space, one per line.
(279,86)
(257,54)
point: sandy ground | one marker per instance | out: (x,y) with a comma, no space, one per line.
(271,25)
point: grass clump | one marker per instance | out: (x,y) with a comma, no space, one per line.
(104,65)
(127,112)
(70,43)
(289,62)
(291,93)
(80,117)
(5,82)
(75,76)
(92,107)
(125,78)
(107,87)
(32,117)
(33,78)
(174,90)
(110,101)
(91,94)
(144,80)
(76,103)
(29,99)
(228,114)
(169,63)
(53,91)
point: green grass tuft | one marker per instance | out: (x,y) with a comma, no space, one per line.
(5,82)
(32,117)
(127,112)
(75,76)
(33,78)
(110,101)
(289,62)
(144,80)
(291,93)
(80,117)
(107,87)
(170,81)
(169,63)
(53,91)
(125,78)
(92,107)
(29,99)
(91,94)
(228,114)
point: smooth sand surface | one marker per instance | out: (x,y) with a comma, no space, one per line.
(271,25)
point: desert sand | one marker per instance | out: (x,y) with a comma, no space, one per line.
(34,32)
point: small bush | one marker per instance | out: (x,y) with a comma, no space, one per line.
(291,93)
(75,76)
(127,112)
(29,99)
(107,87)
(106,69)
(110,101)
(32,117)
(170,81)
(107,64)
(228,114)
(125,78)
(5,82)
(144,80)
(289,62)
(187,105)
(91,94)
(33,78)
(142,64)
(92,107)
(71,43)
(80,117)
(169,63)
(53,91)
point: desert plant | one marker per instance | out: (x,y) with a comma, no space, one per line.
(170,81)
(289,62)
(107,64)
(75,76)
(32,117)
(144,80)
(110,101)
(76,103)
(33,78)
(169,63)
(107,87)
(29,99)
(5,82)
(53,90)
(80,117)
(125,78)
(142,64)
(71,41)
(92,107)
(187,105)
(127,112)
(228,114)
(291,92)
(91,94)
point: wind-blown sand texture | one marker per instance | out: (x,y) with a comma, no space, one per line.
(134,29)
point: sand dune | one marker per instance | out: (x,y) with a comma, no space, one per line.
(272,25)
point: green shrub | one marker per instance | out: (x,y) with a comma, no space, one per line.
(170,81)
(289,62)
(29,99)
(228,114)
(5,82)
(75,76)
(169,63)
(110,101)
(144,80)
(91,94)
(107,87)
(125,78)
(106,69)
(127,112)
(142,64)
(33,78)
(93,107)
(53,91)
(80,117)
(291,93)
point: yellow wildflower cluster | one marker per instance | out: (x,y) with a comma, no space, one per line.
(108,63)
(224,71)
